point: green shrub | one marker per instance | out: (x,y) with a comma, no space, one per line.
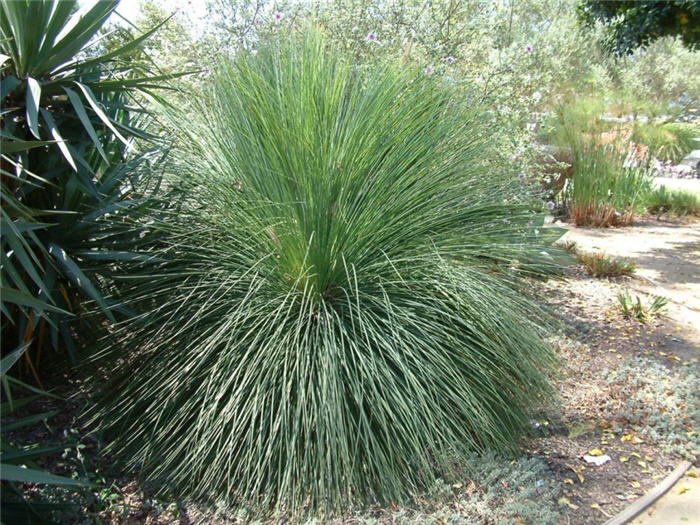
(330,313)
(609,177)
(676,202)
(670,141)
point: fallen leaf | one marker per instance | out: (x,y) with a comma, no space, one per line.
(595,452)
(624,459)
(565,501)
(642,464)
(569,481)
(598,507)
(683,489)
(635,484)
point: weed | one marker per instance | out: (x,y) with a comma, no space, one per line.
(603,265)
(633,306)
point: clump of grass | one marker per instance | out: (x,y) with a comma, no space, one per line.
(602,265)
(331,313)
(675,202)
(598,264)
(610,177)
(633,307)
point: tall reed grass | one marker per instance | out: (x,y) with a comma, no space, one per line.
(610,175)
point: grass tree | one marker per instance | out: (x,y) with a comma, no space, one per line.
(330,313)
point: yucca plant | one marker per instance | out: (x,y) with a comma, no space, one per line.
(68,123)
(332,315)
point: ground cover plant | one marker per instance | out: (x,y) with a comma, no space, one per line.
(331,313)
(603,265)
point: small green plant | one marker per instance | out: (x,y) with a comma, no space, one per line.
(632,307)
(602,265)
(675,202)
(570,247)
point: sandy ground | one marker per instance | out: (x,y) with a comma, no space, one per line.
(667,255)
(678,184)
(679,505)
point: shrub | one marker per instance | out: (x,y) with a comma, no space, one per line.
(676,202)
(330,312)
(670,141)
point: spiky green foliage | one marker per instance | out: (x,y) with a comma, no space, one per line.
(68,121)
(610,176)
(332,311)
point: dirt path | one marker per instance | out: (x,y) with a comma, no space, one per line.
(667,255)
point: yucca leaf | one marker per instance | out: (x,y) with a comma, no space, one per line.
(76,275)
(27,421)
(95,105)
(11,295)
(11,358)
(15,146)
(53,129)
(28,454)
(85,120)
(25,475)
(126,48)
(33,96)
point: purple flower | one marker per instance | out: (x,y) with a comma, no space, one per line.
(450,59)
(428,70)
(550,205)
(528,48)
(371,36)
(522,176)
(278,16)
